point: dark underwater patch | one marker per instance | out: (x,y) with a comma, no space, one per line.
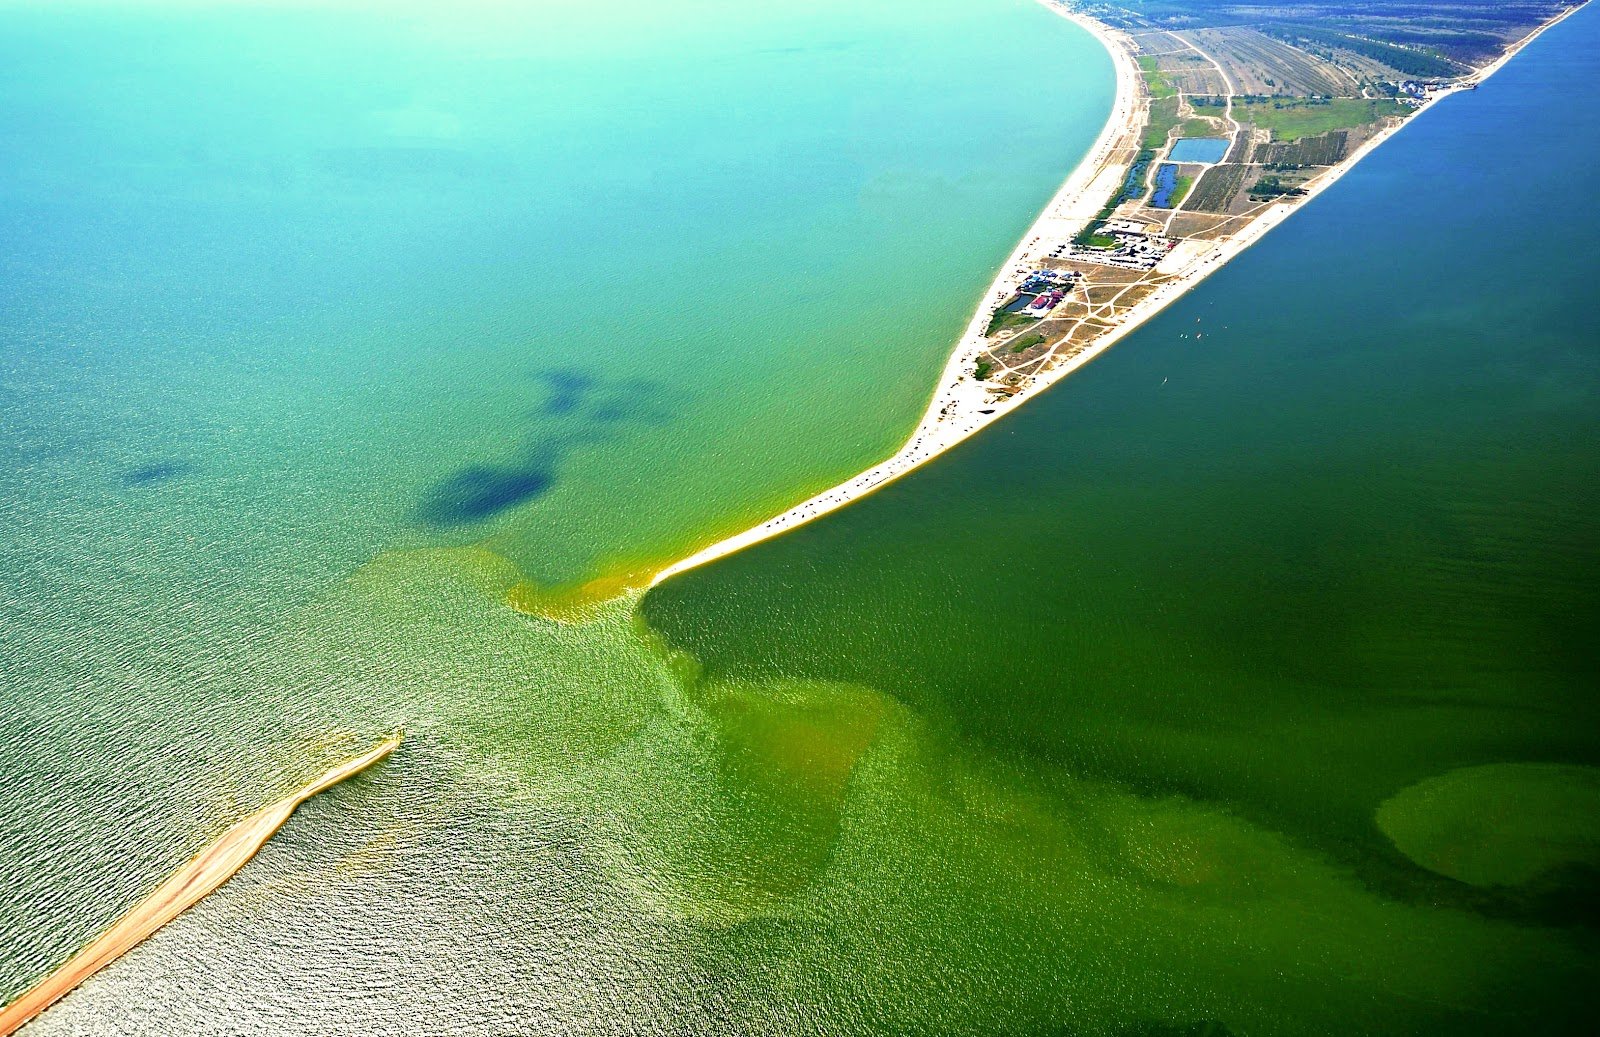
(568,390)
(482,492)
(155,473)
(590,410)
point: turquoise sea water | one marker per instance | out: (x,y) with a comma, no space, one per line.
(329,329)
(1202,694)
(519,270)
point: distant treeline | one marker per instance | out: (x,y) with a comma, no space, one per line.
(1475,14)
(1469,31)
(1463,46)
(1422,64)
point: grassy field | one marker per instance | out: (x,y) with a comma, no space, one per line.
(1163,117)
(1180,192)
(1026,342)
(1157,83)
(1008,319)
(1290,119)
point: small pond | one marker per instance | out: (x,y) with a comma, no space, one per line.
(1199,149)
(1166,184)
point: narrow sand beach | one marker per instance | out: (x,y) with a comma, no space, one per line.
(961,405)
(188,886)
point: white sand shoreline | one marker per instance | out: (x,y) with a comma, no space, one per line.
(960,405)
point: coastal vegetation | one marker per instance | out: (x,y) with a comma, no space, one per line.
(1180,189)
(1163,117)
(1026,342)
(1155,82)
(1133,183)
(1273,186)
(1090,235)
(1409,60)
(1171,187)
(1005,319)
(1401,36)
(1289,119)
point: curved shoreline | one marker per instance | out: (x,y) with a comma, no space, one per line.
(1076,201)
(959,406)
(190,884)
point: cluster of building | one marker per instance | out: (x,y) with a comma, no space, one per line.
(1048,288)
(1046,281)
(1416,92)
(1040,292)
(1044,302)
(1135,247)
(1424,87)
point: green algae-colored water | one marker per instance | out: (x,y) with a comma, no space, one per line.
(1305,572)
(1241,684)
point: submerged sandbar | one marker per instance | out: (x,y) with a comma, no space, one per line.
(192,883)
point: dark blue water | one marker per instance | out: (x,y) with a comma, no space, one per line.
(1166,183)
